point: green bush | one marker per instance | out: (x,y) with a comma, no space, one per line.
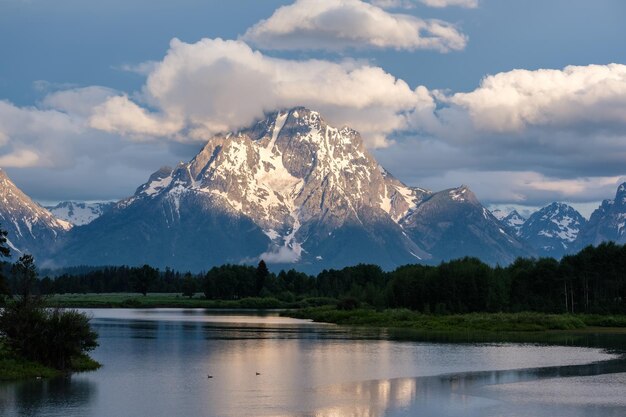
(48,336)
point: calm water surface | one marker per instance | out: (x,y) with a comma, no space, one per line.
(156,363)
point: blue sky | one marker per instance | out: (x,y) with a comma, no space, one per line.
(63,61)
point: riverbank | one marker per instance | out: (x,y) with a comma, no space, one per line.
(481,322)
(173,300)
(13,367)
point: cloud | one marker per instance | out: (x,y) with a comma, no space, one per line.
(77,101)
(521,136)
(52,153)
(470,4)
(341,24)
(120,115)
(19,158)
(589,97)
(407,4)
(282,254)
(217,85)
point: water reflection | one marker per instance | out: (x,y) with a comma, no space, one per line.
(157,361)
(34,398)
(479,393)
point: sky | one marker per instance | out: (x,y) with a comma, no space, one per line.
(523,101)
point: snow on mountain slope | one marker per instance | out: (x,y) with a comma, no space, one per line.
(514,222)
(287,171)
(79,213)
(31,228)
(553,229)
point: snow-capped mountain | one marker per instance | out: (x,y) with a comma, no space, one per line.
(513,222)
(291,189)
(31,228)
(552,230)
(79,213)
(607,222)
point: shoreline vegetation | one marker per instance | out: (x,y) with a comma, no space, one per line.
(13,367)
(522,322)
(37,341)
(330,310)
(174,300)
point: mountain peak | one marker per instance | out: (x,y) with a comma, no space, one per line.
(514,222)
(463,194)
(552,229)
(30,227)
(620,195)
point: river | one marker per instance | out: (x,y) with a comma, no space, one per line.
(157,363)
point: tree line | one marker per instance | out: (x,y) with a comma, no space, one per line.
(592,281)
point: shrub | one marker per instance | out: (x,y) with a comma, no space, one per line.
(348,304)
(48,336)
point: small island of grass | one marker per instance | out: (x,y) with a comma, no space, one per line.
(481,322)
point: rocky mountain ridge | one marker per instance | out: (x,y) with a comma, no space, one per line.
(31,228)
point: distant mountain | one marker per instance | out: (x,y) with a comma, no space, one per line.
(499,214)
(79,213)
(513,222)
(552,230)
(297,192)
(607,223)
(31,228)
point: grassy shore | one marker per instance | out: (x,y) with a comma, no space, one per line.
(482,322)
(13,367)
(161,300)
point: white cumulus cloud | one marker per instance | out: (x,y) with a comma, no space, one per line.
(340,24)
(217,85)
(120,115)
(406,4)
(576,97)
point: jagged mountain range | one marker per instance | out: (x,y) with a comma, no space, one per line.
(290,189)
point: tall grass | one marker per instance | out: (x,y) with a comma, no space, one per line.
(402,318)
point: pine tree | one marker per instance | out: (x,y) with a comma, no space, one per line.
(261,275)
(5,252)
(25,273)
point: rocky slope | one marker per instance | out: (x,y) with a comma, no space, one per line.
(452,224)
(607,223)
(31,228)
